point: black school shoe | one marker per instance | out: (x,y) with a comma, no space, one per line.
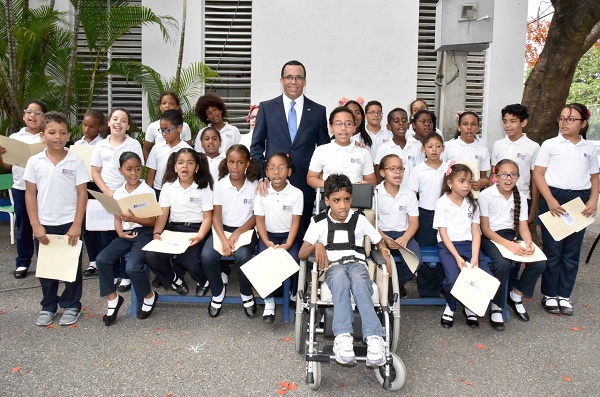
(472,320)
(109,320)
(141,314)
(250,311)
(552,309)
(20,273)
(447,320)
(496,325)
(513,305)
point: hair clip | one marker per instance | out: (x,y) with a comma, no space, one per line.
(343,101)
(250,112)
(449,170)
(287,155)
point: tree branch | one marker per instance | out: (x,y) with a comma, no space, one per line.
(591,38)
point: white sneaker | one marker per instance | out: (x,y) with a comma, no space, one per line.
(375,351)
(224,278)
(343,348)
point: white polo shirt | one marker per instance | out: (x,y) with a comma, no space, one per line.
(188,204)
(568,166)
(427,182)
(379,139)
(22,136)
(279,207)
(230,135)
(122,192)
(317,232)
(56,186)
(393,212)
(246,139)
(411,155)
(154,135)
(107,157)
(458,150)
(499,210)
(457,220)
(523,151)
(237,205)
(158,157)
(82,141)
(351,160)
(213,166)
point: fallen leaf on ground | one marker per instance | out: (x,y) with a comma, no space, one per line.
(584,328)
(281,392)
(466,382)
(444,343)
(584,305)
(574,328)
(83,309)
(16,369)
(1,312)
(51,326)
(26,371)
(157,342)
(481,346)
(73,326)
(566,379)
(287,339)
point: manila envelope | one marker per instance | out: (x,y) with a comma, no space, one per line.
(84,152)
(474,288)
(142,205)
(245,239)
(570,222)
(17,152)
(410,259)
(269,269)
(537,255)
(58,260)
(172,242)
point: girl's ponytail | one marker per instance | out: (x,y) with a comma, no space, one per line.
(517,210)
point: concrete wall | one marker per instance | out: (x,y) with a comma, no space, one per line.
(350,48)
(504,75)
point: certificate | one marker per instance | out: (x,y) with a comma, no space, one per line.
(570,222)
(84,152)
(58,260)
(142,205)
(537,255)
(474,288)
(269,269)
(17,152)
(171,243)
(97,218)
(411,260)
(244,239)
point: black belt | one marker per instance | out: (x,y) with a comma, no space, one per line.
(186,223)
(426,210)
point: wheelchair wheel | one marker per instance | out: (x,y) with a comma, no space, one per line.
(315,382)
(396,315)
(397,374)
(300,330)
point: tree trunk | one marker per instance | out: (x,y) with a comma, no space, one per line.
(12,69)
(181,42)
(67,98)
(547,87)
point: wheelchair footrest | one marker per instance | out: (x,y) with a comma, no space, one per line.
(327,354)
(356,325)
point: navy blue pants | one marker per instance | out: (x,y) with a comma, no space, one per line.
(451,269)
(558,279)
(24,230)
(404,273)
(507,271)
(212,268)
(429,280)
(281,239)
(71,296)
(165,267)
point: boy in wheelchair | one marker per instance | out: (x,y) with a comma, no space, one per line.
(335,238)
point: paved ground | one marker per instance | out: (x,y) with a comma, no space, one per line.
(180,351)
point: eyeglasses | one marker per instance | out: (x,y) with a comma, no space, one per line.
(289,78)
(342,123)
(30,112)
(251,117)
(168,131)
(281,168)
(568,120)
(374,113)
(395,169)
(512,175)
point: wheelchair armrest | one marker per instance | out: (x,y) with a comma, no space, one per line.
(378,257)
(311,258)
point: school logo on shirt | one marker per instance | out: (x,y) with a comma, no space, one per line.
(229,135)
(522,157)
(288,208)
(195,200)
(512,212)
(68,172)
(477,157)
(402,208)
(355,161)
(470,215)
(249,201)
(585,155)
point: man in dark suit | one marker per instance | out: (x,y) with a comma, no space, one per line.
(291,123)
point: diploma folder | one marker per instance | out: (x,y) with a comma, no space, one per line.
(58,260)
(171,243)
(142,205)
(571,222)
(474,288)
(17,152)
(269,269)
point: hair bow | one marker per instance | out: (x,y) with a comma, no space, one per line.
(449,170)
(250,112)
(343,101)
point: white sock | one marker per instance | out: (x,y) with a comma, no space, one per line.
(470,313)
(496,317)
(269,307)
(115,280)
(148,302)
(176,282)
(93,264)
(448,311)
(21,268)
(515,297)
(518,302)
(206,284)
(565,302)
(249,298)
(112,304)
(216,300)
(125,281)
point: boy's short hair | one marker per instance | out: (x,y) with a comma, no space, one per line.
(517,110)
(57,117)
(337,183)
(173,116)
